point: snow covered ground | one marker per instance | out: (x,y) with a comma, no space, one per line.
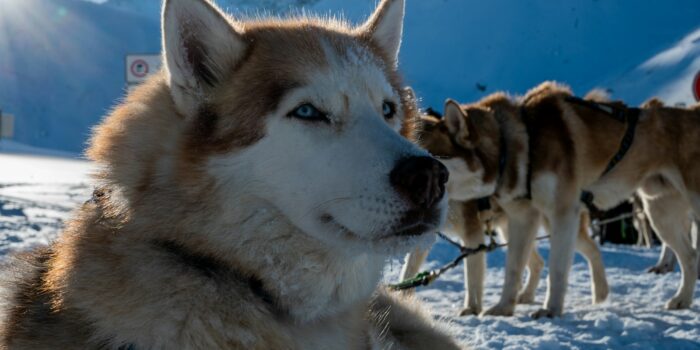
(37,195)
(633,316)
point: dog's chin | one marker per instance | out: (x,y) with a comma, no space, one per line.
(397,241)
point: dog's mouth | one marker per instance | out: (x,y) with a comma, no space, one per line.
(414,230)
(410,226)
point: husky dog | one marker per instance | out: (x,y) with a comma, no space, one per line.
(248,198)
(467,222)
(558,147)
(667,260)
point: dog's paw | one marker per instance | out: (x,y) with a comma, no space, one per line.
(526,297)
(499,310)
(545,313)
(661,269)
(470,311)
(678,303)
(600,293)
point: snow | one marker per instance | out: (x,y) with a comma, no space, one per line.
(38,193)
(633,316)
(668,74)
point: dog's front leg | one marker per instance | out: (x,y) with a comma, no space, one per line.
(534,267)
(474,268)
(522,229)
(564,228)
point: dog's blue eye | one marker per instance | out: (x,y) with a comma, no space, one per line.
(388,109)
(307,111)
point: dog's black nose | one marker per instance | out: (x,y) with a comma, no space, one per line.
(421,179)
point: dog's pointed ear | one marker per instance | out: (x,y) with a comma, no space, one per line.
(455,119)
(200,45)
(385,28)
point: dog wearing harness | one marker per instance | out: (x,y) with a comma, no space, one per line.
(560,147)
(470,220)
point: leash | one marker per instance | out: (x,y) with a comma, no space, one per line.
(429,276)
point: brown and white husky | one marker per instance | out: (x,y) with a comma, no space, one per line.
(559,147)
(467,221)
(248,198)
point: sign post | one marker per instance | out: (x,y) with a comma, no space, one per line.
(139,67)
(7,126)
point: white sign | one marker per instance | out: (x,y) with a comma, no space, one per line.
(139,67)
(7,126)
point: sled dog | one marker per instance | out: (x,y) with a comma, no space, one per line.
(248,197)
(467,220)
(667,259)
(544,154)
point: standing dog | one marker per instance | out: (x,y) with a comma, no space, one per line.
(558,147)
(466,222)
(231,190)
(667,259)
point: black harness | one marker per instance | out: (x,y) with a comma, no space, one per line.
(629,116)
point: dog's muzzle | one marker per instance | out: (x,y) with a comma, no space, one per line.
(422,181)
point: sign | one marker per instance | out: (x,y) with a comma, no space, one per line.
(139,67)
(696,87)
(7,126)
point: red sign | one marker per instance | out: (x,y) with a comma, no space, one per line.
(696,87)
(139,68)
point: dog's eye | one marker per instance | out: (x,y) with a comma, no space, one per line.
(388,109)
(307,111)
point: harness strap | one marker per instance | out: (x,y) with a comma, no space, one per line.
(484,203)
(631,118)
(529,132)
(613,111)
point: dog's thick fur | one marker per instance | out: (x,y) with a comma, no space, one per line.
(228,218)
(571,145)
